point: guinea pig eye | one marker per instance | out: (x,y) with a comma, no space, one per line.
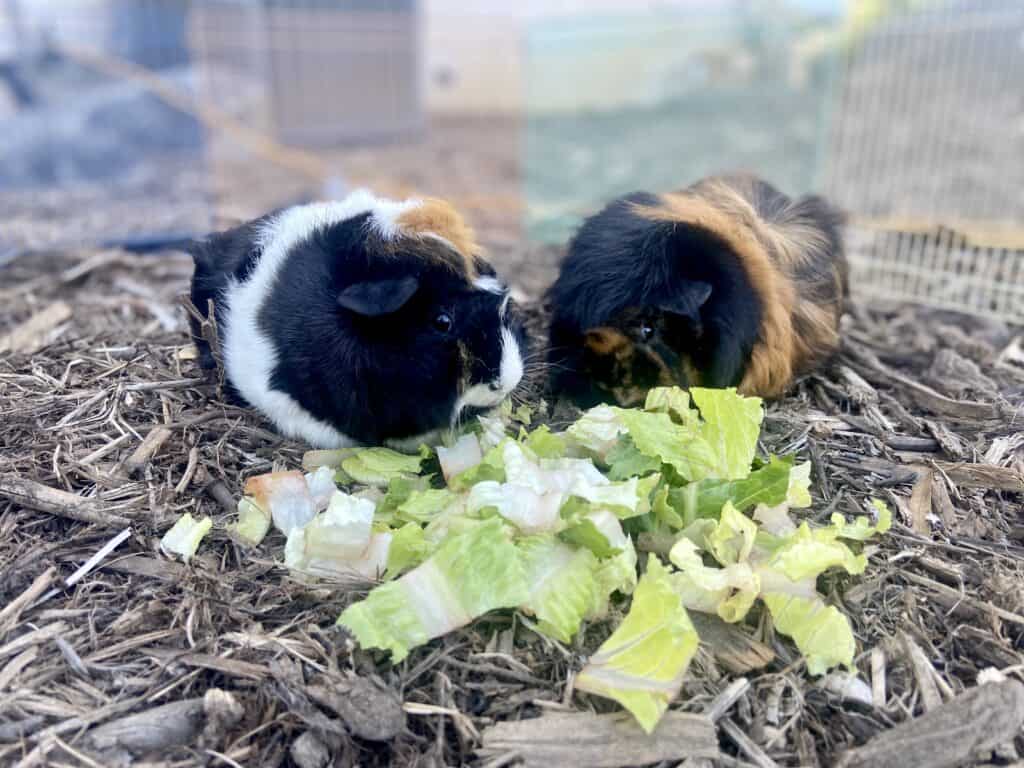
(646,330)
(443,322)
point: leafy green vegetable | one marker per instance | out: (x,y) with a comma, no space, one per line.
(529,510)
(625,461)
(596,431)
(253,522)
(561,582)
(339,540)
(618,572)
(491,467)
(313,460)
(184,536)
(671,400)
(798,494)
(642,664)
(780,569)
(378,466)
(680,446)
(544,443)
(862,528)
(585,534)
(731,425)
(539,523)
(820,631)
(728,591)
(424,505)
(471,573)
(409,548)
(733,538)
(768,485)
(523,414)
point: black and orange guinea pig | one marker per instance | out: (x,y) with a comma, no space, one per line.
(726,283)
(362,321)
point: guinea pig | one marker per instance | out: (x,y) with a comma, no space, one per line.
(727,283)
(363,321)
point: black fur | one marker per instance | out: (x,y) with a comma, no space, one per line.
(218,259)
(622,270)
(375,369)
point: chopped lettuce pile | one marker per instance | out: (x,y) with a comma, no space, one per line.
(548,524)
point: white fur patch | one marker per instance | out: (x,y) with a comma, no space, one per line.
(249,354)
(510,373)
(489,284)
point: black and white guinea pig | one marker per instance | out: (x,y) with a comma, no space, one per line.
(363,321)
(728,282)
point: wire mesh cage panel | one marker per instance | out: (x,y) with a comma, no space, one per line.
(926,155)
(314,73)
(657,99)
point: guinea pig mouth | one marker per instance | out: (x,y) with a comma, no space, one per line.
(472,411)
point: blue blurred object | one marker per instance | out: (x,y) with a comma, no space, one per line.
(103,154)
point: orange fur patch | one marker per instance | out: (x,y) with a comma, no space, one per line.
(436,217)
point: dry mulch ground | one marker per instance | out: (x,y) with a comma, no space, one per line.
(106,426)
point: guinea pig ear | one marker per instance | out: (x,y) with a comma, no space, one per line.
(378,297)
(688,300)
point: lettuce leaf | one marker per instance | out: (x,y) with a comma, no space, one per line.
(471,573)
(597,431)
(543,443)
(253,522)
(422,506)
(618,572)
(643,663)
(183,537)
(466,453)
(378,466)
(820,631)
(585,534)
(529,510)
(671,400)
(321,487)
(798,494)
(286,495)
(332,458)
(561,582)
(780,568)
(339,540)
(491,467)
(492,431)
(625,461)
(731,425)
(720,445)
(767,485)
(409,548)
(730,591)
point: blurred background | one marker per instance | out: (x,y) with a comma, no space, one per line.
(138,123)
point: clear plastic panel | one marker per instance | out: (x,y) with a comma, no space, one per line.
(656,99)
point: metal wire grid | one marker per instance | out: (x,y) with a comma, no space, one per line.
(315,73)
(940,269)
(926,155)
